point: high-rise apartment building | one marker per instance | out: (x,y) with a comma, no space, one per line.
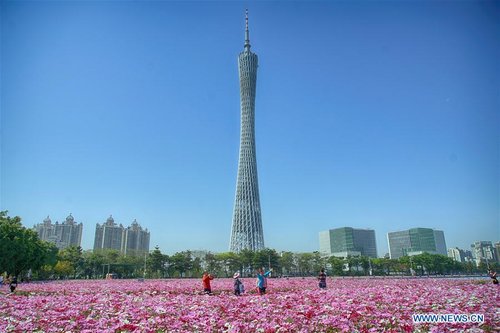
(135,240)
(246,230)
(416,241)
(129,241)
(342,242)
(109,235)
(459,255)
(483,251)
(63,235)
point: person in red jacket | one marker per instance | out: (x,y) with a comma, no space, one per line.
(206,283)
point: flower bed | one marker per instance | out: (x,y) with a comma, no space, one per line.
(291,305)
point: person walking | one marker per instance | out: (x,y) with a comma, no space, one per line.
(322,279)
(238,285)
(262,280)
(206,283)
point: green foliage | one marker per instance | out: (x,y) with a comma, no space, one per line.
(305,263)
(337,265)
(246,262)
(72,255)
(20,247)
(96,264)
(229,262)
(93,262)
(157,264)
(182,262)
(436,264)
(64,269)
(266,258)
(212,264)
(287,263)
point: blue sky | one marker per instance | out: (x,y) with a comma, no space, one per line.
(382,115)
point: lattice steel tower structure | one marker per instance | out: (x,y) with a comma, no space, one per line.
(246,231)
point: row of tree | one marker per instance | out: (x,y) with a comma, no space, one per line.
(23,254)
(20,249)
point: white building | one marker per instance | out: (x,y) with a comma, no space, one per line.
(459,255)
(483,251)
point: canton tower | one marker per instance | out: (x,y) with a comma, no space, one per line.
(246,230)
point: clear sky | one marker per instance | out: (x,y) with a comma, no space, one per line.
(382,115)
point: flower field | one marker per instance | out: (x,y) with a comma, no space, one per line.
(291,305)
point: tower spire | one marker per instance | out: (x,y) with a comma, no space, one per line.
(247,34)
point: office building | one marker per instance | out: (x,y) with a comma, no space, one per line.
(346,241)
(416,241)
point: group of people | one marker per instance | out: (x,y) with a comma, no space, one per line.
(239,288)
(11,281)
(261,281)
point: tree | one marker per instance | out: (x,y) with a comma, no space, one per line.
(197,269)
(287,263)
(20,248)
(266,258)
(129,266)
(157,263)
(316,262)
(51,251)
(72,255)
(304,263)
(407,264)
(246,258)
(229,262)
(354,263)
(93,262)
(64,269)
(337,265)
(182,262)
(212,264)
(365,264)
(109,259)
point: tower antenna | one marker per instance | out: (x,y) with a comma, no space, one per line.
(247,33)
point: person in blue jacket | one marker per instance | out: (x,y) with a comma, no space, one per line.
(262,280)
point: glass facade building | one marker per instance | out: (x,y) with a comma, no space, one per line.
(345,241)
(416,241)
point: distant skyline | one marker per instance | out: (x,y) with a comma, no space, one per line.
(380,115)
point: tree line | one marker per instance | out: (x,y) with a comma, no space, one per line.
(24,255)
